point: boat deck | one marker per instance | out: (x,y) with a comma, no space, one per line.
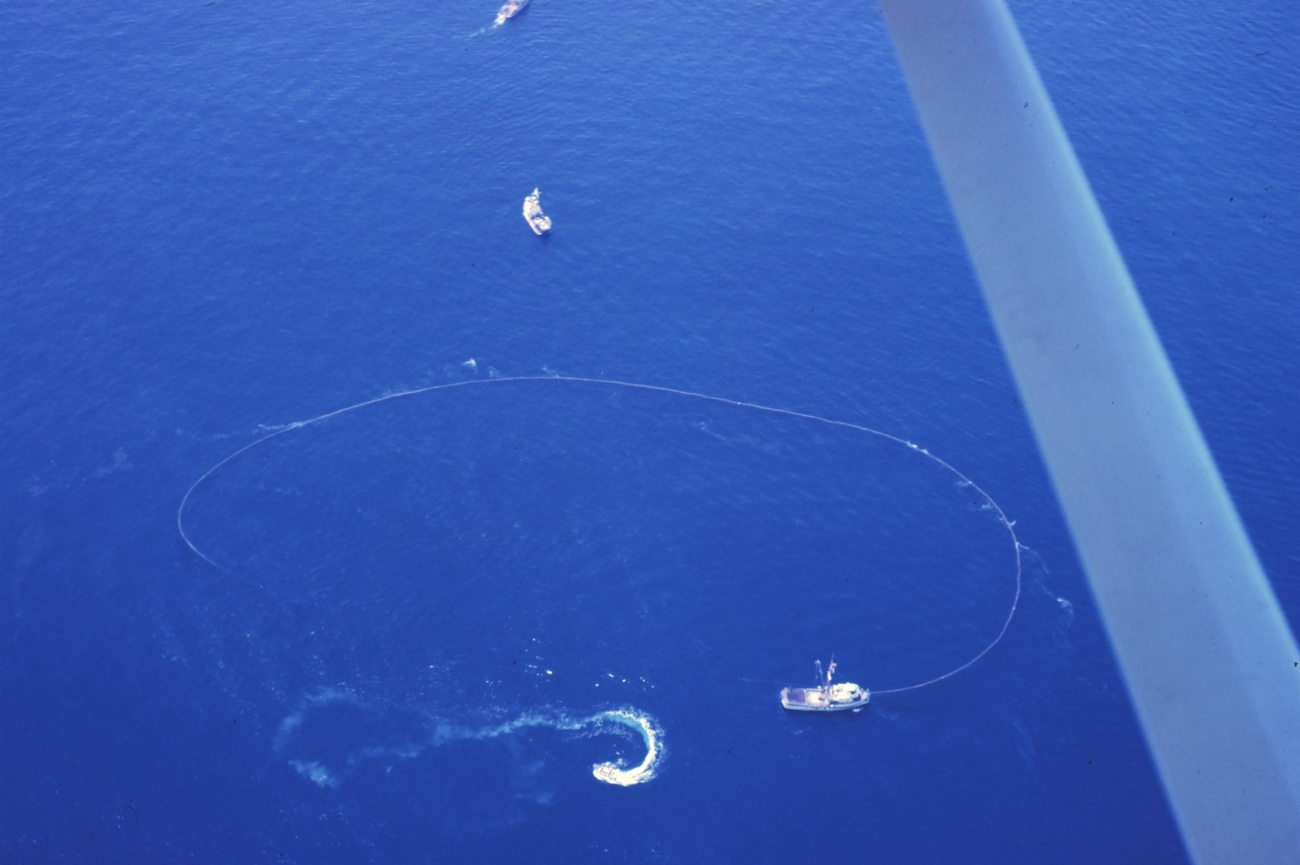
(830,699)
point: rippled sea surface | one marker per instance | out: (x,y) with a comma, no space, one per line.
(221,219)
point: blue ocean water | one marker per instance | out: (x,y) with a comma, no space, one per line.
(220,218)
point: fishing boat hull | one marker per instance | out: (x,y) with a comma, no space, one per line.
(510,10)
(539,222)
(836,698)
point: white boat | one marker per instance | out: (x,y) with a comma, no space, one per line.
(510,10)
(825,697)
(539,222)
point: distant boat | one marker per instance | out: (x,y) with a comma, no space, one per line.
(510,10)
(539,222)
(825,697)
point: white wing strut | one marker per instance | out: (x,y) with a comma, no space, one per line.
(1207,655)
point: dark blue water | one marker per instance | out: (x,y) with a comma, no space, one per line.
(222,217)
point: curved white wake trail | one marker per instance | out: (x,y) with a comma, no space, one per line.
(329,772)
(613,772)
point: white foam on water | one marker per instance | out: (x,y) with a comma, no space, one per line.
(615,773)
(314,771)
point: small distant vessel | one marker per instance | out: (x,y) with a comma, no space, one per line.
(510,10)
(539,222)
(825,697)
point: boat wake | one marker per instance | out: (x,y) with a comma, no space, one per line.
(299,738)
(602,723)
(615,773)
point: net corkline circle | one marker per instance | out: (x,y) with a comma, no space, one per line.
(614,383)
